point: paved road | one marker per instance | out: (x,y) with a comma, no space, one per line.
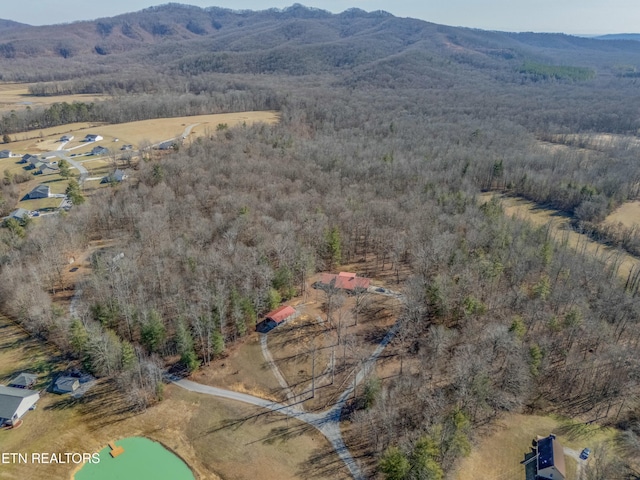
(184,135)
(275,370)
(327,422)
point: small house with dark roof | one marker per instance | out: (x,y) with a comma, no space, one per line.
(5,153)
(41,191)
(15,402)
(92,138)
(66,138)
(48,169)
(24,380)
(26,157)
(19,214)
(99,150)
(65,384)
(117,176)
(550,459)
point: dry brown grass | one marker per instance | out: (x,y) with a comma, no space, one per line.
(628,214)
(15,96)
(235,440)
(562,232)
(509,438)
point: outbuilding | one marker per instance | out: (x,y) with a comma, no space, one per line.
(24,380)
(65,384)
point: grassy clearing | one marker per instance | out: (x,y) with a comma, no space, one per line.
(627,214)
(15,96)
(563,234)
(509,439)
(236,440)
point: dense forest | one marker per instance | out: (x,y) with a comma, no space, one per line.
(383,150)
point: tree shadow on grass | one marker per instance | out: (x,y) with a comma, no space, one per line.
(323,462)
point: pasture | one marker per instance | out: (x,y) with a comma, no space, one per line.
(16,96)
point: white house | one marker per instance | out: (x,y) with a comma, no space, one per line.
(93,138)
(15,402)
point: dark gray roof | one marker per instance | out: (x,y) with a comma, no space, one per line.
(11,398)
(24,380)
(66,384)
(19,213)
(40,191)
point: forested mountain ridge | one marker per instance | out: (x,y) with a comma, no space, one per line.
(296,40)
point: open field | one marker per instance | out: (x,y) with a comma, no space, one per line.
(236,440)
(15,96)
(628,214)
(562,232)
(134,133)
(509,439)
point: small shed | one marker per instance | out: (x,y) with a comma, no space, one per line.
(24,380)
(66,384)
(15,402)
(281,314)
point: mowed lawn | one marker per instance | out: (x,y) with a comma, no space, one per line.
(213,436)
(502,446)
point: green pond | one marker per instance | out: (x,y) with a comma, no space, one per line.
(142,459)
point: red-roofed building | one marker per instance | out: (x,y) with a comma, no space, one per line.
(280,314)
(344,281)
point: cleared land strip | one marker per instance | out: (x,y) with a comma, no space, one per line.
(561,232)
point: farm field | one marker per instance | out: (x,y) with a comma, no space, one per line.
(562,232)
(212,435)
(16,96)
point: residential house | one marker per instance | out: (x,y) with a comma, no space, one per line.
(48,168)
(19,214)
(65,384)
(117,176)
(66,138)
(26,157)
(99,150)
(24,380)
(34,162)
(346,281)
(15,402)
(93,138)
(166,145)
(550,459)
(5,153)
(41,191)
